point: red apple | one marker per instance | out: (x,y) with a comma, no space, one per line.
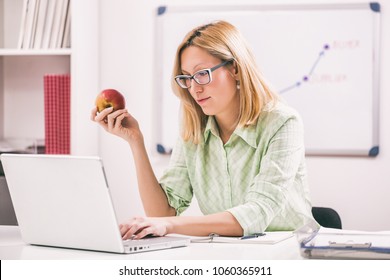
(110,98)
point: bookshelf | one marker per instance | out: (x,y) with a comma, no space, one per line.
(32,52)
(22,71)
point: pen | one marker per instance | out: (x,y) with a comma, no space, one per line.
(255,235)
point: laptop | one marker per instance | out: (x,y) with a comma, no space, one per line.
(64,201)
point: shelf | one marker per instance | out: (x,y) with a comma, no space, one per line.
(22,72)
(18,52)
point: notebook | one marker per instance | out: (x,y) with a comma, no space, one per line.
(64,201)
(259,238)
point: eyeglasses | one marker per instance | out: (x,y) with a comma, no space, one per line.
(202,77)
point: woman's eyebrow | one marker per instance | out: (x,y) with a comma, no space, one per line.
(185,72)
(195,67)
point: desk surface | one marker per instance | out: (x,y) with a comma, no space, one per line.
(13,247)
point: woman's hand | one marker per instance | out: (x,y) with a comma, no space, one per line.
(119,123)
(139,227)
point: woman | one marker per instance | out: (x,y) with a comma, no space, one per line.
(241,150)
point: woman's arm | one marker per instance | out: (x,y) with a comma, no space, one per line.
(153,197)
(222,223)
(122,124)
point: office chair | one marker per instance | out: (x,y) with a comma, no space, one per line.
(326,217)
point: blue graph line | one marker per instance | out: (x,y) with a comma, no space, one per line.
(306,78)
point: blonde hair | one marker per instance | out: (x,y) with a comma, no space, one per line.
(222,40)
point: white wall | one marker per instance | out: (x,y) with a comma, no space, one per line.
(358,188)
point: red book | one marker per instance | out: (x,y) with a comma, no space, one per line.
(57,113)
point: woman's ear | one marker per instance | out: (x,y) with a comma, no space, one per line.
(235,67)
(234,70)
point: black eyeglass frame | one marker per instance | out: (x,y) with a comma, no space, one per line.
(209,71)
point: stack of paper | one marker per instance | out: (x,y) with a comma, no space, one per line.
(343,244)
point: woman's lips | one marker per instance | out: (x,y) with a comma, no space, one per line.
(202,100)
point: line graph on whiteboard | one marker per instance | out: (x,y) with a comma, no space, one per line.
(311,76)
(306,78)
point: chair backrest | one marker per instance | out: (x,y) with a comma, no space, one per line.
(326,217)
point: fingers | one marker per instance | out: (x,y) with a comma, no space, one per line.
(137,228)
(93,113)
(108,119)
(133,228)
(126,229)
(147,231)
(114,120)
(98,117)
(120,121)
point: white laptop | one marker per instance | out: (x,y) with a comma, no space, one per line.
(64,201)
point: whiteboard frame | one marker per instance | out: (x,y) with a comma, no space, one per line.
(375,8)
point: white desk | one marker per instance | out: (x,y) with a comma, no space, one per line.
(12,248)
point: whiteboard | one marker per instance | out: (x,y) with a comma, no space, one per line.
(322,59)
